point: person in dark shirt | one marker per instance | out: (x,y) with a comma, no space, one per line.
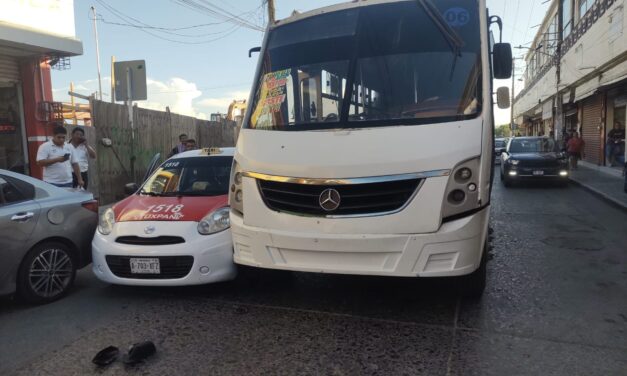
(180,147)
(615,139)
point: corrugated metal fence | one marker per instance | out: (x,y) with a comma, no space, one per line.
(155,132)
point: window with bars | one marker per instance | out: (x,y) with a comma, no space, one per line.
(584,7)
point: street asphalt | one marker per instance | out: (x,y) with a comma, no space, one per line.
(556,304)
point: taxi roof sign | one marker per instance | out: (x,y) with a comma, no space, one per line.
(212,151)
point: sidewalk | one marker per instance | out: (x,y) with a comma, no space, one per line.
(608,185)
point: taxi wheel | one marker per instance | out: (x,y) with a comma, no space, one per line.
(46,273)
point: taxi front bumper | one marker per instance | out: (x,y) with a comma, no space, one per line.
(200,259)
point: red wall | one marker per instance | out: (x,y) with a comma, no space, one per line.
(32,74)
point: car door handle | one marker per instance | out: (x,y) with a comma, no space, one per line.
(22,217)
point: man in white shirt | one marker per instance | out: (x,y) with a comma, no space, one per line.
(83,152)
(58,160)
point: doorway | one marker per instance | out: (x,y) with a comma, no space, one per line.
(12,137)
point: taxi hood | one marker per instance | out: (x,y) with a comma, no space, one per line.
(149,208)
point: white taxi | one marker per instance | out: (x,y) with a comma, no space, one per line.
(174,230)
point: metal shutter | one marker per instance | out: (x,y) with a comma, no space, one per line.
(591,128)
(9,69)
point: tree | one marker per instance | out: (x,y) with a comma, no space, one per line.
(502,131)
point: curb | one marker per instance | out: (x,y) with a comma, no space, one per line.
(605,197)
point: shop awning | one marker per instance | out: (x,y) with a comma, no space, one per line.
(19,41)
(613,81)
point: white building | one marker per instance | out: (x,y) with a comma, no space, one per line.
(585,88)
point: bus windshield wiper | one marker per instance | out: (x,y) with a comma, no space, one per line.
(453,39)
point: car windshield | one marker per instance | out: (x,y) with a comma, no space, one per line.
(532,145)
(376,65)
(499,143)
(197,176)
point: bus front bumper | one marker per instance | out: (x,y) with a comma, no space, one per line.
(454,250)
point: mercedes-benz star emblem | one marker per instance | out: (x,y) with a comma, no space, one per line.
(329,199)
(149,230)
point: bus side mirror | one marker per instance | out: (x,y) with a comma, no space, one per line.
(254,49)
(502,97)
(502,60)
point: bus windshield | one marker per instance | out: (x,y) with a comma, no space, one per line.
(385,64)
(196,176)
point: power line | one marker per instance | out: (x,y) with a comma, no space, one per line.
(515,18)
(217,12)
(533,3)
(100,18)
(140,26)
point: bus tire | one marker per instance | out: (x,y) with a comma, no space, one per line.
(473,284)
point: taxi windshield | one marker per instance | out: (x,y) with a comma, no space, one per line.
(197,176)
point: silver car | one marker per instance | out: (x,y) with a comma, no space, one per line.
(45,236)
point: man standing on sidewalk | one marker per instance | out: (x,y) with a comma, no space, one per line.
(58,160)
(83,152)
(575,148)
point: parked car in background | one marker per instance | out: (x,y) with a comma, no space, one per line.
(45,236)
(499,144)
(173,230)
(533,158)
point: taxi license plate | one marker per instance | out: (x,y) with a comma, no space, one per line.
(538,172)
(145,266)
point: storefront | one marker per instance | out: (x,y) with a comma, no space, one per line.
(34,36)
(13,147)
(616,117)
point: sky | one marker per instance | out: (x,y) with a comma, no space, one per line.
(198,70)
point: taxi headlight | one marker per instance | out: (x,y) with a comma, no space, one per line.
(106,222)
(215,222)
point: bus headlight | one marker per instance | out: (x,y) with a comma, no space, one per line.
(236,193)
(462,193)
(215,222)
(106,222)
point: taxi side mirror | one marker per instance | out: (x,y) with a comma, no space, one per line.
(131,188)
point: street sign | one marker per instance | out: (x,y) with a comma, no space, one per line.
(137,71)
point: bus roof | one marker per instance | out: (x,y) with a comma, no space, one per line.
(329,9)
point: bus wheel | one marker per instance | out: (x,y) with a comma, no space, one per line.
(473,284)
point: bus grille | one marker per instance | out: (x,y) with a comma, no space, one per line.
(356,199)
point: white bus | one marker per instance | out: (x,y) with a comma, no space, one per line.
(367,147)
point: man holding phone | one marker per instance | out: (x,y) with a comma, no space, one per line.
(83,152)
(58,160)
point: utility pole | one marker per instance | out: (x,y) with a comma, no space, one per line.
(511,120)
(74,122)
(129,103)
(271,12)
(93,10)
(513,92)
(557,127)
(112,79)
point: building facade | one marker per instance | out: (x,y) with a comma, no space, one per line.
(576,76)
(35,37)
